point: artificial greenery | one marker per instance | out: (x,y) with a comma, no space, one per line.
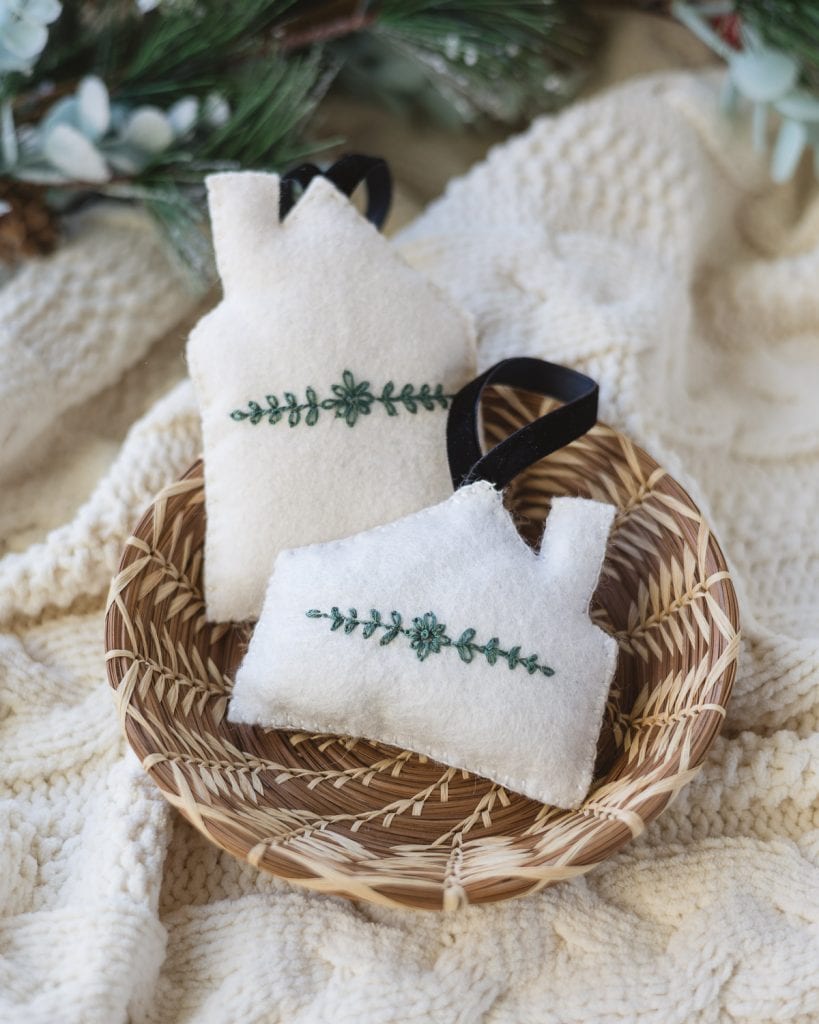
(463,61)
(771,82)
(140,99)
(791,26)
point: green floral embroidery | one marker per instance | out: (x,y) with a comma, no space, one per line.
(350,400)
(428,636)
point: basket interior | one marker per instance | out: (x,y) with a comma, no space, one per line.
(366,820)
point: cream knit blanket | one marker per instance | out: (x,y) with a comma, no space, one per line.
(636,239)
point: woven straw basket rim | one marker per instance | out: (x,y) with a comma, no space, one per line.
(365,820)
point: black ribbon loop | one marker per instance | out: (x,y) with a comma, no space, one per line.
(347,173)
(529,444)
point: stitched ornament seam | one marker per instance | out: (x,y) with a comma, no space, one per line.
(351,400)
(428,636)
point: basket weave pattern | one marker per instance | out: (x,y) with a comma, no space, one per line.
(365,820)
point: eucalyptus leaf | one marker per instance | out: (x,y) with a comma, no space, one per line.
(72,153)
(64,111)
(790,144)
(183,115)
(123,158)
(23,39)
(93,107)
(45,11)
(8,136)
(800,105)
(149,130)
(216,110)
(40,173)
(763,75)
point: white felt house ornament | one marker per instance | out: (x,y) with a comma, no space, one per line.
(323,379)
(444,633)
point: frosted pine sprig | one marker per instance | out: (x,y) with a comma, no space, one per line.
(351,400)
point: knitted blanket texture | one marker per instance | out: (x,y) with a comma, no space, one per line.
(639,240)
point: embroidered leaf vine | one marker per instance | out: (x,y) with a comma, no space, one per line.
(350,400)
(429,636)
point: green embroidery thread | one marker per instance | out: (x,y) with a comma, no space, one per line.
(352,399)
(429,636)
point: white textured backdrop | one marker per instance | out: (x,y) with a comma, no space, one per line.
(636,239)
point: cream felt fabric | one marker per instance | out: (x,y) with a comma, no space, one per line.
(320,308)
(318,659)
(660,249)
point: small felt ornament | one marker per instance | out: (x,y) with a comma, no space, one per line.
(443,632)
(323,376)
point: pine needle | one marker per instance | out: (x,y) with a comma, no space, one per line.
(275,99)
(505,61)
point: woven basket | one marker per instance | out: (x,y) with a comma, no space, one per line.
(365,820)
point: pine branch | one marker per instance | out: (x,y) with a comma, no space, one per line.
(297,37)
(265,130)
(195,47)
(261,66)
(175,49)
(179,214)
(505,61)
(482,23)
(272,102)
(73,46)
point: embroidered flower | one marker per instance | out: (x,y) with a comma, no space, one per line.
(427,635)
(353,400)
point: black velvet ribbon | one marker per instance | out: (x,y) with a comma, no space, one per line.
(347,173)
(529,444)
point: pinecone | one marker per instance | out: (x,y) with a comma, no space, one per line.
(29,228)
